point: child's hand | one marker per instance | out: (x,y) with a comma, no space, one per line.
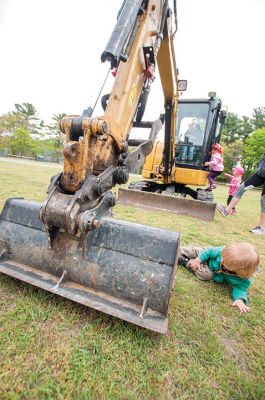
(206,163)
(195,264)
(243,308)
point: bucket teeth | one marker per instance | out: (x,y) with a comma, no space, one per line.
(123,269)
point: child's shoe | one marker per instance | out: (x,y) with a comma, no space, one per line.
(210,188)
(233,212)
(182,260)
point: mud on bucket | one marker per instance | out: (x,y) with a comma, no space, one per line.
(123,269)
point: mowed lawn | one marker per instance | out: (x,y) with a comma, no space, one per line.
(52,348)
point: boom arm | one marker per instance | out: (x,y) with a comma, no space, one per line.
(95,153)
(105,137)
(168,75)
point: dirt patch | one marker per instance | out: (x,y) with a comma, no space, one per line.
(233,352)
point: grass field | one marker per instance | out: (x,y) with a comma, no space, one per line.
(51,348)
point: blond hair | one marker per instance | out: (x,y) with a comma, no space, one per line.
(242,258)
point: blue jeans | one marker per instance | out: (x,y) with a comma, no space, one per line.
(187,153)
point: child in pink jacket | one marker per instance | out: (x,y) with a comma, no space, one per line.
(216,165)
(234,183)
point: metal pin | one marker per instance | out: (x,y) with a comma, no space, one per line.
(3,255)
(61,280)
(144,307)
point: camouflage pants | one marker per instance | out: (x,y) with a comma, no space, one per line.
(190,252)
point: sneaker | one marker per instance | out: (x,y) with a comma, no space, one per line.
(255,227)
(182,260)
(210,188)
(258,230)
(222,210)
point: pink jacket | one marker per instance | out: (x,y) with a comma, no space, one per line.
(234,183)
(216,163)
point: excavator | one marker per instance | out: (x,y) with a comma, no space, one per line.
(71,245)
(199,124)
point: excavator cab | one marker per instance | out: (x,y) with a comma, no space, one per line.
(198,127)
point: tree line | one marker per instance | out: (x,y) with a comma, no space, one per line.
(243,140)
(23,133)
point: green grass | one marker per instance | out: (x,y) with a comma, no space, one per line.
(51,348)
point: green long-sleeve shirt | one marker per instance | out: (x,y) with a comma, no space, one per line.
(213,257)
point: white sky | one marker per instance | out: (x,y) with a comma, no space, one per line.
(50,53)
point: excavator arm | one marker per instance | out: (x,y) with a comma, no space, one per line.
(70,245)
(168,75)
(96,154)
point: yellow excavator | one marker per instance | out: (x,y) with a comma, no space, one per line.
(71,245)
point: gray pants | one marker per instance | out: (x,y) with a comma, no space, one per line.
(191,252)
(251,182)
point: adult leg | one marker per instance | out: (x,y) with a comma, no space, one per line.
(262,207)
(184,153)
(250,183)
(235,200)
(191,153)
(260,229)
(262,220)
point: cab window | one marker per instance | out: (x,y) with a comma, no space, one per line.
(190,132)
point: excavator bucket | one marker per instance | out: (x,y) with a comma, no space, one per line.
(155,201)
(124,269)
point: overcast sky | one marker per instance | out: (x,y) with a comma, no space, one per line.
(50,53)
